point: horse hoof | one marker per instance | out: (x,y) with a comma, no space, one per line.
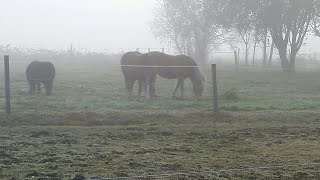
(179,98)
(155,96)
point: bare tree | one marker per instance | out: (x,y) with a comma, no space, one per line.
(288,22)
(190,25)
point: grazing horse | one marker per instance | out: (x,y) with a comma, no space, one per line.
(130,63)
(39,72)
(157,63)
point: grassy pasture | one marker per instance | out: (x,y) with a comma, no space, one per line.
(99,86)
(88,127)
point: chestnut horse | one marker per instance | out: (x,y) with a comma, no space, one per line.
(130,63)
(172,67)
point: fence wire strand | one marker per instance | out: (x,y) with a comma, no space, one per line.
(233,170)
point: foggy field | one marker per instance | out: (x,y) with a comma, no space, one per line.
(267,126)
(89,127)
(99,87)
(164,147)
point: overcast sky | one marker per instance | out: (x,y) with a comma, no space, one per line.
(92,24)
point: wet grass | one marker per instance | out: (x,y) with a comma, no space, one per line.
(165,144)
(88,128)
(99,87)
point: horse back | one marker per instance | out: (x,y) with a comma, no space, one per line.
(167,66)
(40,70)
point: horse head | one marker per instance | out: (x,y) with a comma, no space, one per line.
(198,81)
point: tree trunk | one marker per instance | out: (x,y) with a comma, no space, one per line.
(282,48)
(284,60)
(201,54)
(247,54)
(293,61)
(254,52)
(239,55)
(271,54)
(264,60)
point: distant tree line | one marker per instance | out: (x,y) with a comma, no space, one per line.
(196,27)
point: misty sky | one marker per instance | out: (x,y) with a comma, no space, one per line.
(92,24)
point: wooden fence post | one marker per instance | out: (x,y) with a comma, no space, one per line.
(7,83)
(162,50)
(215,88)
(236,61)
(149,50)
(138,49)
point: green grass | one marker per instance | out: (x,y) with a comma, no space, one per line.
(89,128)
(99,87)
(165,144)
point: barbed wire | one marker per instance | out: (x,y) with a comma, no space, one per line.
(220,67)
(212,171)
(157,66)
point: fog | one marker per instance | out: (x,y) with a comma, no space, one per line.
(92,24)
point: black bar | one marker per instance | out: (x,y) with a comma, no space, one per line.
(7,83)
(215,88)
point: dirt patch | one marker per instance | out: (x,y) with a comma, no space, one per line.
(40,133)
(43,176)
(150,119)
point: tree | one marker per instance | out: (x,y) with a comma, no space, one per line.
(288,22)
(239,17)
(170,26)
(190,25)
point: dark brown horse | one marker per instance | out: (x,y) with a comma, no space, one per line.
(39,72)
(173,67)
(130,63)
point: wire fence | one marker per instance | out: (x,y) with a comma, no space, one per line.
(84,88)
(218,172)
(100,77)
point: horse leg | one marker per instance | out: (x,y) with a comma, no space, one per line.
(48,87)
(176,89)
(147,88)
(147,91)
(140,84)
(152,86)
(182,88)
(38,84)
(149,76)
(129,87)
(32,85)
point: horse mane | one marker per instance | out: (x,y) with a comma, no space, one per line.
(196,70)
(189,59)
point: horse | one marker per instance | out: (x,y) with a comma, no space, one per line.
(167,66)
(39,72)
(130,63)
